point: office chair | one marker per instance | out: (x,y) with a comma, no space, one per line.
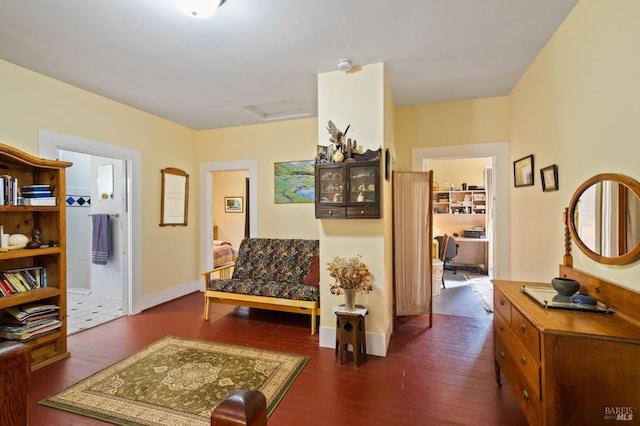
(448,251)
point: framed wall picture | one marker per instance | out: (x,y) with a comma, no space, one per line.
(174,197)
(294,182)
(322,155)
(233,204)
(523,172)
(549,176)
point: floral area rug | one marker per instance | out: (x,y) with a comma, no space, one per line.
(483,288)
(178,381)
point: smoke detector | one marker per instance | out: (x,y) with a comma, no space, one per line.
(344,64)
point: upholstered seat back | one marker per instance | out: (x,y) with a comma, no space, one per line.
(270,259)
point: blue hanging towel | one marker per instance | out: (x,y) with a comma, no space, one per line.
(101,239)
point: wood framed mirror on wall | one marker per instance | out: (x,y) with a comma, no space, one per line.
(174,200)
(604,219)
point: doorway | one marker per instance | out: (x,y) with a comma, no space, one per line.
(230,225)
(207,190)
(459,294)
(96,293)
(499,153)
(463,197)
(125,220)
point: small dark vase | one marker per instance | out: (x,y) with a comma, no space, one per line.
(34,243)
(565,286)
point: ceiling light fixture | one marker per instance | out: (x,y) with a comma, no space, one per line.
(199,9)
(344,64)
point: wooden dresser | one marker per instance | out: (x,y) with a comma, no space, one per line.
(566,367)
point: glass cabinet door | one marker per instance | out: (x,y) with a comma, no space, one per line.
(331,185)
(362,184)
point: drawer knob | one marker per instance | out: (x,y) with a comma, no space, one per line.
(523,360)
(501,327)
(502,354)
(523,327)
(330,212)
(502,302)
(525,395)
(362,212)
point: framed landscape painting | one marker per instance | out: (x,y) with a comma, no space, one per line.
(294,182)
(233,204)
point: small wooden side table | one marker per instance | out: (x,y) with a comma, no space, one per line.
(350,328)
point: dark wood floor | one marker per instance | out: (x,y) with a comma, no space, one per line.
(438,376)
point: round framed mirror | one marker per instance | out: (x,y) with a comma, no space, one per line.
(604,218)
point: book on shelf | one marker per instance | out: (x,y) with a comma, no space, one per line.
(43,194)
(37,188)
(40,201)
(9,190)
(26,312)
(32,274)
(11,284)
(5,290)
(29,321)
(8,319)
(17,283)
(29,331)
(22,279)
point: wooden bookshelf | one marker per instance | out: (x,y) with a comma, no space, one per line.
(51,221)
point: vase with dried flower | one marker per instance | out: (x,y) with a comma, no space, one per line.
(350,276)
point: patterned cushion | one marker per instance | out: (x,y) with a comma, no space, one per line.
(269,259)
(272,267)
(267,288)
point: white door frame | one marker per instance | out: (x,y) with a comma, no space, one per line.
(49,144)
(206,203)
(499,151)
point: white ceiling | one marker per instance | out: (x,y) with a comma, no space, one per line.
(203,73)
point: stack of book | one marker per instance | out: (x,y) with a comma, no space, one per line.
(21,280)
(38,195)
(29,321)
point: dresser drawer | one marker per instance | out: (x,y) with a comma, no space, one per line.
(500,324)
(502,305)
(526,333)
(527,397)
(513,352)
(500,353)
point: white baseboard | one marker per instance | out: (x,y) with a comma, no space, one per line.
(155,299)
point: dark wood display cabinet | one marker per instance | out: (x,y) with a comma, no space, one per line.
(349,190)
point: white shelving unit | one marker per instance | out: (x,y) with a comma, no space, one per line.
(460,202)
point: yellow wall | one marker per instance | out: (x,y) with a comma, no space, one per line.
(31,102)
(459,170)
(578,106)
(294,140)
(451,123)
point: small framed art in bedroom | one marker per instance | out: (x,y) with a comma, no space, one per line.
(233,204)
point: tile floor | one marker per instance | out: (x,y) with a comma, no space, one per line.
(82,315)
